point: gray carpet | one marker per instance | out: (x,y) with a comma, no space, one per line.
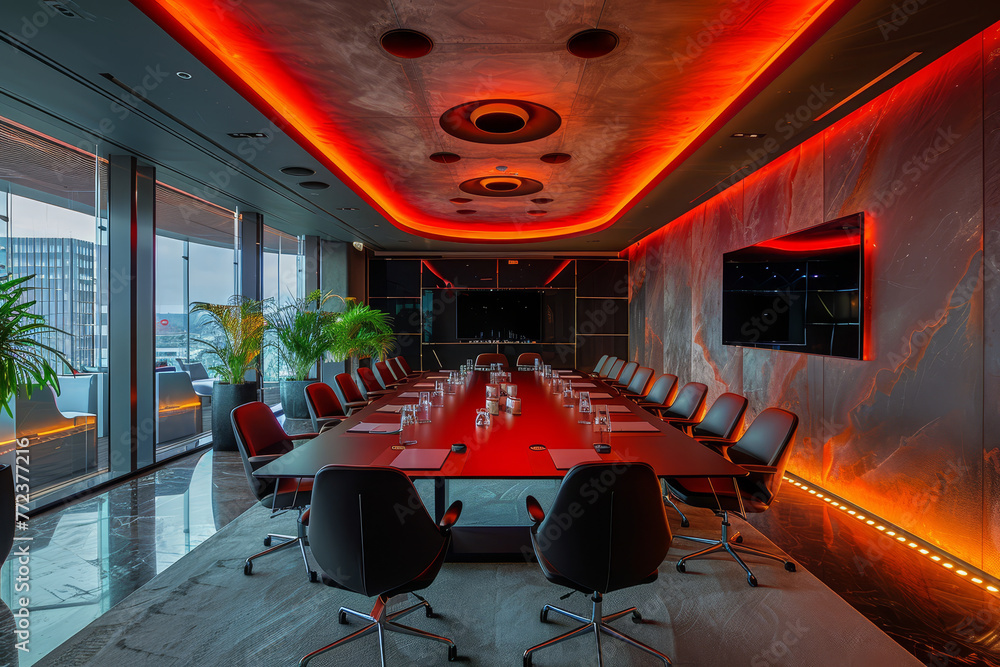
(204,611)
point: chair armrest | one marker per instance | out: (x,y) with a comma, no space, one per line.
(302,436)
(679,421)
(380,392)
(451,515)
(535,510)
(713,439)
(759,468)
(304,518)
(258,461)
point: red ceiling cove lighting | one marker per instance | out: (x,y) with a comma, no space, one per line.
(256,46)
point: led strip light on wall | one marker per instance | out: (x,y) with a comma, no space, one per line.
(878,525)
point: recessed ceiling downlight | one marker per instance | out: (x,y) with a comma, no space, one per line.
(556,158)
(592,43)
(460,200)
(499,118)
(501,184)
(542,200)
(298,171)
(405,43)
(444,158)
(314,185)
(465,211)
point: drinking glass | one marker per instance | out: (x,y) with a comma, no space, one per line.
(538,364)
(483,418)
(568,401)
(557,386)
(408,425)
(547,370)
(584,407)
(424,408)
(602,423)
(437,398)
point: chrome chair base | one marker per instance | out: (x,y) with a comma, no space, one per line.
(380,621)
(731,545)
(597,624)
(286,541)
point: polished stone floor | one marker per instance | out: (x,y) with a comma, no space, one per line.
(89,555)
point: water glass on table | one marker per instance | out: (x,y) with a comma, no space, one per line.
(602,423)
(584,407)
(483,418)
(424,408)
(408,425)
(569,400)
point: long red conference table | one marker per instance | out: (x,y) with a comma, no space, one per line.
(543,442)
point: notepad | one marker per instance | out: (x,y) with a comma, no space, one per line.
(368,427)
(410,394)
(599,394)
(578,385)
(391,408)
(421,459)
(436,377)
(633,427)
(564,459)
(618,408)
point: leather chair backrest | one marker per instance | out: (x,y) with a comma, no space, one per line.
(369,530)
(607,528)
(258,433)
(600,363)
(616,369)
(767,438)
(606,369)
(487,358)
(396,367)
(8,511)
(528,358)
(368,379)
(689,401)
(404,365)
(322,399)
(640,380)
(662,391)
(724,417)
(385,374)
(349,388)
(628,370)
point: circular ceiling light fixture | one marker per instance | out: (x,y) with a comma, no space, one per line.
(183,75)
(500,121)
(556,158)
(592,43)
(406,43)
(297,171)
(501,186)
(499,118)
(542,200)
(445,158)
(314,185)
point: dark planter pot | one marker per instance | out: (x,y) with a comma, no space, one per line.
(293,398)
(225,397)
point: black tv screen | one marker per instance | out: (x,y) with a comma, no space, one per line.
(803,292)
(506,315)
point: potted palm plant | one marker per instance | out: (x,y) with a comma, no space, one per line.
(303,332)
(240,326)
(23,362)
(359,332)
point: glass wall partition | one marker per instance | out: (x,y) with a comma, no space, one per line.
(195,262)
(53,219)
(283,281)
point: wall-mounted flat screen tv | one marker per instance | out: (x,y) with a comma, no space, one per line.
(499,315)
(803,292)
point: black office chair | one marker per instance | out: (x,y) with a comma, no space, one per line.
(686,405)
(260,440)
(628,370)
(487,359)
(599,365)
(660,395)
(611,374)
(762,450)
(364,544)
(606,368)
(527,360)
(720,424)
(639,383)
(614,541)
(325,409)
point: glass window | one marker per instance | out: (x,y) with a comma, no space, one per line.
(195,261)
(283,281)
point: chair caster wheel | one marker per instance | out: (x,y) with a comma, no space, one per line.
(313,577)
(752,580)
(342,617)
(680,566)
(544,618)
(685,523)
(636,617)
(790,566)
(452,653)
(429,612)
(248,568)
(267,541)
(739,539)
(527,661)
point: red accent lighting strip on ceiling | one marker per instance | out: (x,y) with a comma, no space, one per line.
(214,36)
(868,85)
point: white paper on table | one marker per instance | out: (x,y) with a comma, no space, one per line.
(578,385)
(599,394)
(392,408)
(368,427)
(618,408)
(410,394)
(632,427)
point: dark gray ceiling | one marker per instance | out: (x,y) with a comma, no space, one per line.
(108,79)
